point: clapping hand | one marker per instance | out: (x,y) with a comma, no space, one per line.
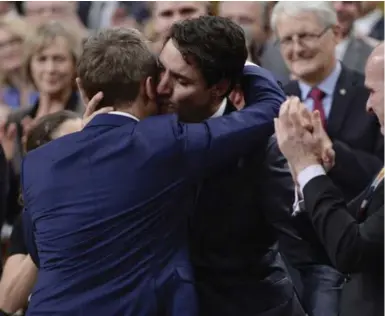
(301,137)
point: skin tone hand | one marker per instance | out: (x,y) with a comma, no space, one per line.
(8,136)
(90,112)
(295,139)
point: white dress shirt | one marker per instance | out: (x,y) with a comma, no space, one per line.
(124,114)
(304,178)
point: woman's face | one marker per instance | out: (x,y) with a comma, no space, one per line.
(53,68)
(67,127)
(11,56)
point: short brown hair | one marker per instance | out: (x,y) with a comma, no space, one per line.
(115,61)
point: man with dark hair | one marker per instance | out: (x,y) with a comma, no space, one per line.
(233,244)
(108,206)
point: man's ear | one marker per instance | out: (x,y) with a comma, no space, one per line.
(149,88)
(221,88)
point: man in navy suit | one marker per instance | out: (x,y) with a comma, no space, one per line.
(108,206)
(233,242)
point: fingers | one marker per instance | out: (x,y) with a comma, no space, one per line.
(11,132)
(317,123)
(92,104)
(83,95)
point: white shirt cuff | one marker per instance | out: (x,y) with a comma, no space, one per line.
(308,174)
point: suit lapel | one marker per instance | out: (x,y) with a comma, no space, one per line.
(343,93)
(353,53)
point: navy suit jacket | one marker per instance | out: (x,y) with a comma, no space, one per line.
(108,206)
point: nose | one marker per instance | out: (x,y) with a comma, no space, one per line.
(338,5)
(49,65)
(296,46)
(164,86)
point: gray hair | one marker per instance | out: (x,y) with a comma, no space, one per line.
(323,10)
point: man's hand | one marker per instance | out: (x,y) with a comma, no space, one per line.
(91,105)
(8,136)
(294,135)
(326,151)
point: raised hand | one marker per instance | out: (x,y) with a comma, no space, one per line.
(8,136)
(91,105)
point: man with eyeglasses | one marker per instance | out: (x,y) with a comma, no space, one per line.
(307,34)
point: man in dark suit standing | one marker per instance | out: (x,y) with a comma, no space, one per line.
(108,205)
(308,34)
(353,235)
(233,243)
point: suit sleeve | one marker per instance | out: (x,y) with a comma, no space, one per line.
(352,246)
(27,223)
(354,169)
(295,239)
(218,141)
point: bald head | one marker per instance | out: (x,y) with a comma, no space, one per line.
(374,81)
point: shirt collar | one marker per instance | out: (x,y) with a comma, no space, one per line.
(124,114)
(218,113)
(221,109)
(327,85)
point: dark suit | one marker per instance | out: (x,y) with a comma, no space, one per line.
(354,246)
(358,144)
(356,136)
(233,242)
(108,207)
(377,31)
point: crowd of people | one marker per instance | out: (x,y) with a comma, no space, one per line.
(192,158)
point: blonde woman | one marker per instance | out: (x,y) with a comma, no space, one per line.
(52,52)
(15,90)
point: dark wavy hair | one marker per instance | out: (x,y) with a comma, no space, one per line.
(216,45)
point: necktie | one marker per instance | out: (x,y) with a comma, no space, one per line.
(317,95)
(369,194)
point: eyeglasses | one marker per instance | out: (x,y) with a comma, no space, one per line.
(304,39)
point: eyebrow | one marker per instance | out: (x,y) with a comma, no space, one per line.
(173,73)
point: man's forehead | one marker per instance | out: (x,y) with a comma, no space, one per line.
(172,60)
(47,4)
(161,6)
(237,7)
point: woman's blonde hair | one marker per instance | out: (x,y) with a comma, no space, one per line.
(43,36)
(18,28)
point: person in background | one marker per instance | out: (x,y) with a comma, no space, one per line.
(20,272)
(253,17)
(50,63)
(16,90)
(308,33)
(41,12)
(52,51)
(165,13)
(371,20)
(352,234)
(351,49)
